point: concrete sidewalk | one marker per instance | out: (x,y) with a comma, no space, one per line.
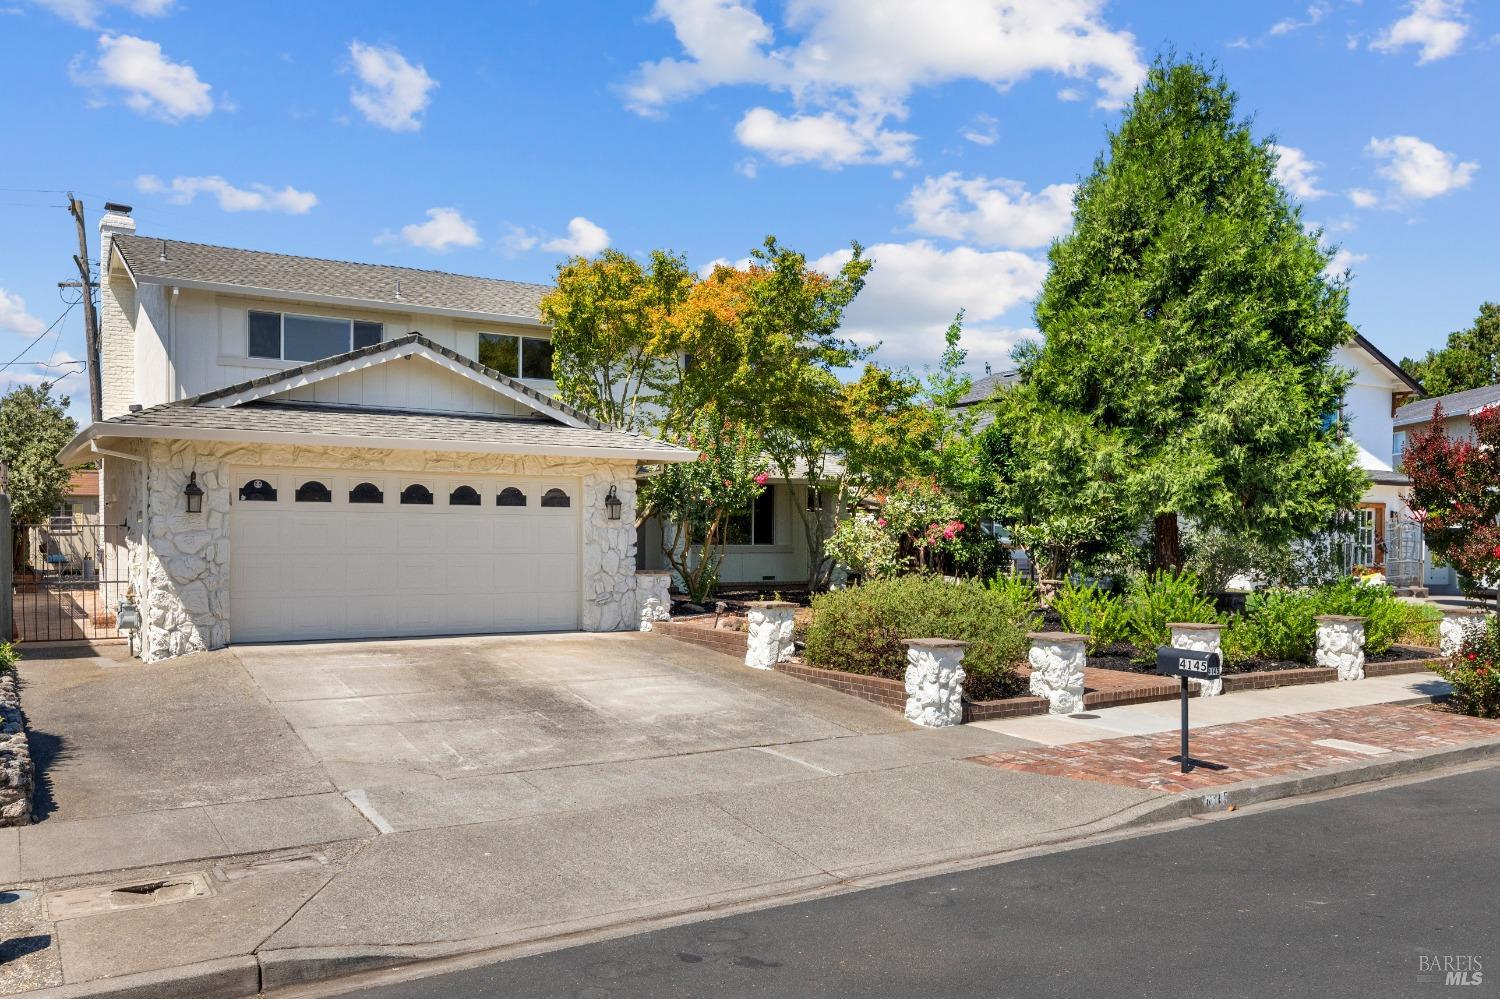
(304,876)
(1241,706)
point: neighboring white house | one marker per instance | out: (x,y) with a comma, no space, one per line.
(376,450)
(1386,537)
(1459,408)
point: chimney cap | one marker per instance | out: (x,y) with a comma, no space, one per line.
(117,208)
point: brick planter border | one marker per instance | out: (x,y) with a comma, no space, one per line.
(1319,674)
(730,643)
(879,690)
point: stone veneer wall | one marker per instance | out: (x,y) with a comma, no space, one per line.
(180,563)
(17,775)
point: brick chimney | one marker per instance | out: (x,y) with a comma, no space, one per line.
(117,314)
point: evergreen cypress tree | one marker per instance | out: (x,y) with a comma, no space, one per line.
(1188,319)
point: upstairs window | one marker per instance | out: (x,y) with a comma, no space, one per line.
(285,336)
(517,356)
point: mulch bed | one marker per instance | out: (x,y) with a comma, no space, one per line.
(1127,659)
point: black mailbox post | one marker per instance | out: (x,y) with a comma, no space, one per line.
(1185,664)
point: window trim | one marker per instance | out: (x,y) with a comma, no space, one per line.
(281,332)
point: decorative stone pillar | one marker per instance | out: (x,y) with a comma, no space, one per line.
(654,587)
(1057,659)
(1196,637)
(935,681)
(1456,621)
(770,640)
(1341,645)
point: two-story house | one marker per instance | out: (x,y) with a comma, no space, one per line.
(299,448)
(1385,537)
(1459,409)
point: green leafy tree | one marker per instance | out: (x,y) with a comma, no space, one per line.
(1190,329)
(33,429)
(696,498)
(610,318)
(1470,360)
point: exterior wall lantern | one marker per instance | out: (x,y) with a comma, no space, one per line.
(612,503)
(194,494)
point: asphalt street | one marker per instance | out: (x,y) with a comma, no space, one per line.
(1368,895)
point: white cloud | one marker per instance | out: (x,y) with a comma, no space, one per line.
(14,317)
(1342,261)
(255,198)
(584,239)
(444,229)
(1297,173)
(990,211)
(152,83)
(915,288)
(1363,197)
(86,13)
(1315,13)
(1070,94)
(517,240)
(1437,27)
(984,130)
(395,92)
(1419,169)
(859,61)
(706,270)
(826,139)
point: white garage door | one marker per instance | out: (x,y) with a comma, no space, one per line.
(349,555)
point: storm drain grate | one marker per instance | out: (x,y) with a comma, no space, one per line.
(93,901)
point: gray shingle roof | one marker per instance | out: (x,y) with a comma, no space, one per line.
(985,387)
(365,426)
(280,272)
(1454,404)
(442,430)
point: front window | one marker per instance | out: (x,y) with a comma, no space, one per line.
(517,356)
(285,336)
(1398,448)
(755,526)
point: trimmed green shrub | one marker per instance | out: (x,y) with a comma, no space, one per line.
(860,629)
(1088,610)
(1018,592)
(8,657)
(1474,671)
(1152,602)
(1278,625)
(1281,624)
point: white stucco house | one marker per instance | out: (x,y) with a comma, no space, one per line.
(376,447)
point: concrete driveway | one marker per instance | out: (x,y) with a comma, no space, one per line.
(364,803)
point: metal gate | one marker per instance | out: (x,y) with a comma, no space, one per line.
(1404,550)
(69,580)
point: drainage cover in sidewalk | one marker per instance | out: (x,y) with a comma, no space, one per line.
(75,902)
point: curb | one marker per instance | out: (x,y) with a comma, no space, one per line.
(244,976)
(1254,792)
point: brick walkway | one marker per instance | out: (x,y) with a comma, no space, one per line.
(1269,747)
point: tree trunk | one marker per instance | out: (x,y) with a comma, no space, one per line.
(1167,552)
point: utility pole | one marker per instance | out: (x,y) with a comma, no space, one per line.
(90,317)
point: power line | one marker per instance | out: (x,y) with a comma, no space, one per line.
(38,339)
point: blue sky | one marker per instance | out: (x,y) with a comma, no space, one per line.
(494,139)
